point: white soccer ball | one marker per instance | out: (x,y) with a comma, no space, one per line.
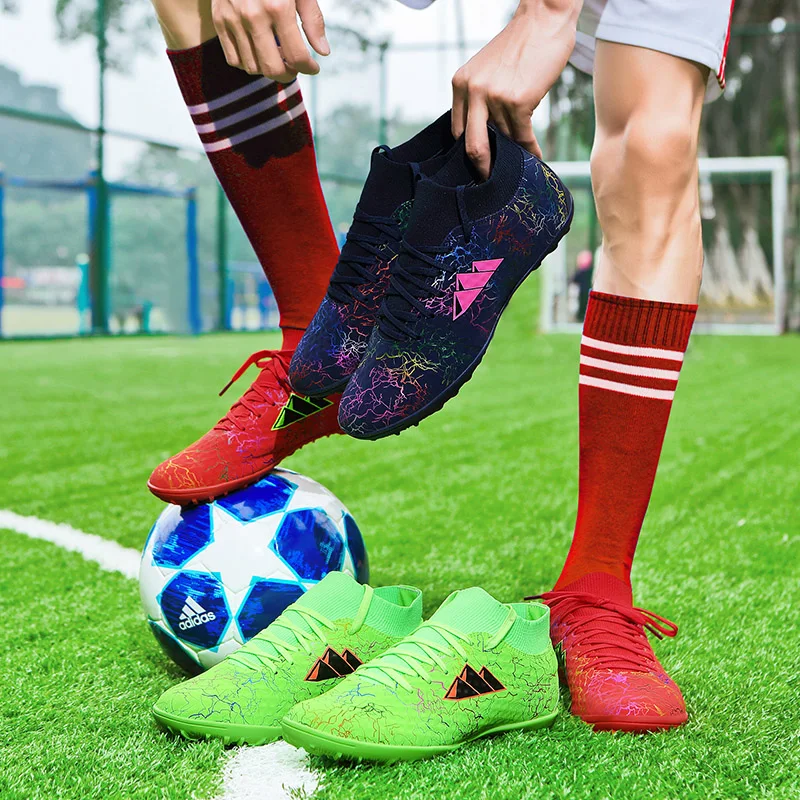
(214,575)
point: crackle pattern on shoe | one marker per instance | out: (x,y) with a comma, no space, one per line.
(304,653)
(444,303)
(439,688)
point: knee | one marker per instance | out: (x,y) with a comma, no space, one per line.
(651,154)
(644,178)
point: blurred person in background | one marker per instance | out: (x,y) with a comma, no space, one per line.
(582,281)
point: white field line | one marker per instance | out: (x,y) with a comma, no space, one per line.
(267,772)
(111,556)
(270,772)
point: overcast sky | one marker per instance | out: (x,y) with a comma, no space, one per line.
(147,101)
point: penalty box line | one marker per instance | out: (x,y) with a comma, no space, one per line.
(276,771)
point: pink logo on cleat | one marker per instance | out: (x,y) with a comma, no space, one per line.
(470,284)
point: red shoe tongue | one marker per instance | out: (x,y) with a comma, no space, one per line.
(269,381)
(613,633)
(602,584)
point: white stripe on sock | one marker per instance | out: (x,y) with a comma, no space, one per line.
(626,388)
(626,350)
(629,369)
(231,97)
(283,119)
(264,105)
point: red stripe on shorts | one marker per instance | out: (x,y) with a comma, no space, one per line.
(723,63)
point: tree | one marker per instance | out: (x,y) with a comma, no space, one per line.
(758,115)
(31,150)
(129,23)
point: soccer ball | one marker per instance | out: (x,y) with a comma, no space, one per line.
(212,576)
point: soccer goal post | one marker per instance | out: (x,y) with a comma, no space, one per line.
(743,204)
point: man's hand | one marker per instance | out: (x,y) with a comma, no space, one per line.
(262,36)
(508,78)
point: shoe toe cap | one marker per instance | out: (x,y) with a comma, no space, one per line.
(179,474)
(371,407)
(170,474)
(327,354)
(224,698)
(619,695)
(178,704)
(201,469)
(335,715)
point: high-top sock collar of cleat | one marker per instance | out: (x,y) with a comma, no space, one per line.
(606,627)
(393,175)
(465,612)
(452,197)
(336,596)
(455,194)
(434,140)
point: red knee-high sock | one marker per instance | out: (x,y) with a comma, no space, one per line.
(631,353)
(257,137)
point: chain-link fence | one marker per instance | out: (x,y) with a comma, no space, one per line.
(161,271)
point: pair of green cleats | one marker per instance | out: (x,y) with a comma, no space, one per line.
(353,671)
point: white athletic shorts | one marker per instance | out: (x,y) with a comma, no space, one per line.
(697,30)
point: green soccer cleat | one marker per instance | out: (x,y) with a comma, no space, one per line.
(477,667)
(326,634)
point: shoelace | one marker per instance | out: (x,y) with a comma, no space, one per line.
(267,650)
(354,269)
(413,280)
(274,375)
(411,283)
(410,657)
(611,635)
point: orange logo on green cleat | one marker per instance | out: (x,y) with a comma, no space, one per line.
(473,684)
(332,665)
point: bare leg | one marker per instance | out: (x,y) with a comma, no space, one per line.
(644,173)
(185,23)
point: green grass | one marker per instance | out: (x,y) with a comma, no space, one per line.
(483,493)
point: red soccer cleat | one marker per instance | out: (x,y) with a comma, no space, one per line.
(615,680)
(267,424)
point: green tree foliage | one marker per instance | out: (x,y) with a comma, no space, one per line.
(129,23)
(32,150)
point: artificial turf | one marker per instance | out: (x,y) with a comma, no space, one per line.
(483,493)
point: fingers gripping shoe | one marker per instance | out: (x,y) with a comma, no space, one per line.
(267,424)
(466,250)
(333,628)
(336,339)
(477,667)
(615,680)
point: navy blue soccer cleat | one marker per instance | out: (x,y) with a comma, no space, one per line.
(336,340)
(467,249)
